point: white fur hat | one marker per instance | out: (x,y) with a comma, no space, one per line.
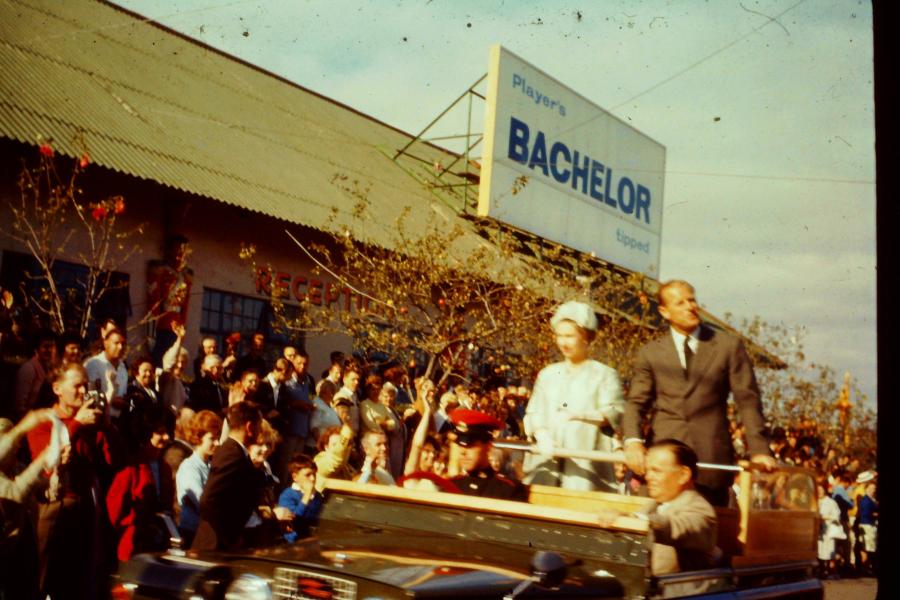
(578,312)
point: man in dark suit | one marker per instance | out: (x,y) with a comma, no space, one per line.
(234,486)
(687,375)
(206,392)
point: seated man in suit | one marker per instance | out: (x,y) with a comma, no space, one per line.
(682,522)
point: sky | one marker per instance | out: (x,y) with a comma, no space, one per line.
(765,108)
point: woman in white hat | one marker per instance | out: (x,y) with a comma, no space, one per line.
(576,404)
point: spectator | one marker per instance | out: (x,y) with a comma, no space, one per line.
(334,454)
(206,391)
(301,498)
(208,347)
(204,432)
(842,497)
(264,526)
(179,448)
(244,390)
(106,371)
(375,465)
(334,371)
(18,552)
(867,519)
(623,479)
(351,376)
(270,389)
(172,390)
(324,416)
(296,408)
(372,414)
(140,398)
(395,429)
(69,349)
(17,489)
(72,525)
(397,376)
(229,357)
(448,403)
(143,489)
(32,374)
(234,485)
(830,529)
(253,360)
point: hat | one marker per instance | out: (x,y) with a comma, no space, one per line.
(578,312)
(865,477)
(473,426)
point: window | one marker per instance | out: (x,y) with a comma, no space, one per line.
(224,313)
(20,274)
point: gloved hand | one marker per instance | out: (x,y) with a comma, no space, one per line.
(544,442)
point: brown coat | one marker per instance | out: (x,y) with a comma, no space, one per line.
(694,410)
(684,535)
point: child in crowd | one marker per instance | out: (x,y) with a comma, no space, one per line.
(301,498)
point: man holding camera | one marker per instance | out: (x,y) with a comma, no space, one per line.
(72,526)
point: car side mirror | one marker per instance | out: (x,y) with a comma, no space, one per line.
(548,569)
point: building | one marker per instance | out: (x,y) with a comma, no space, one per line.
(202,145)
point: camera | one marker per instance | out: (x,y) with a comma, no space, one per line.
(95,398)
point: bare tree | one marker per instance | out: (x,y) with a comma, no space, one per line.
(52,220)
(443,296)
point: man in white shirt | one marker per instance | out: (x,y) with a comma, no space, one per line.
(108,367)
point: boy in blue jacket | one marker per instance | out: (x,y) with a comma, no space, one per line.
(301,498)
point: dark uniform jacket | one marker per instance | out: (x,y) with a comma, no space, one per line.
(488,483)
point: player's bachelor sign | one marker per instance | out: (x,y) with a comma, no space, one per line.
(594,183)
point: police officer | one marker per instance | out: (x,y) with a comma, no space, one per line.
(472,430)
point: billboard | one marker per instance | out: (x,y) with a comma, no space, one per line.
(593,183)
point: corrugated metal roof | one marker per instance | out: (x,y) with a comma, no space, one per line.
(148,102)
(153,104)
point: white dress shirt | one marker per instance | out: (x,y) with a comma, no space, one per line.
(693,343)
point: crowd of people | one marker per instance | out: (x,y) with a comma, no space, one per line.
(237,455)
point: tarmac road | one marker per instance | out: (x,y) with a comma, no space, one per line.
(851,589)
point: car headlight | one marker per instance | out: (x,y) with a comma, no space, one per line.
(249,587)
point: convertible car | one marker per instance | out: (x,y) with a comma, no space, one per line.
(385,542)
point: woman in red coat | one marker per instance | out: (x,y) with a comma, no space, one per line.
(142,490)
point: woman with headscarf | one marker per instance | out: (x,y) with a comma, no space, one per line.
(577,404)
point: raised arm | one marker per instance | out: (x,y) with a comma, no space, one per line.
(418,440)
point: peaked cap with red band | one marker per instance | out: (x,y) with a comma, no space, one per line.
(473,426)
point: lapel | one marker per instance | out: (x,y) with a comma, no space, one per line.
(706,350)
(671,364)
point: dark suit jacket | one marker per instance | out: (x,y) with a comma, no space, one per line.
(694,410)
(231,494)
(265,395)
(206,394)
